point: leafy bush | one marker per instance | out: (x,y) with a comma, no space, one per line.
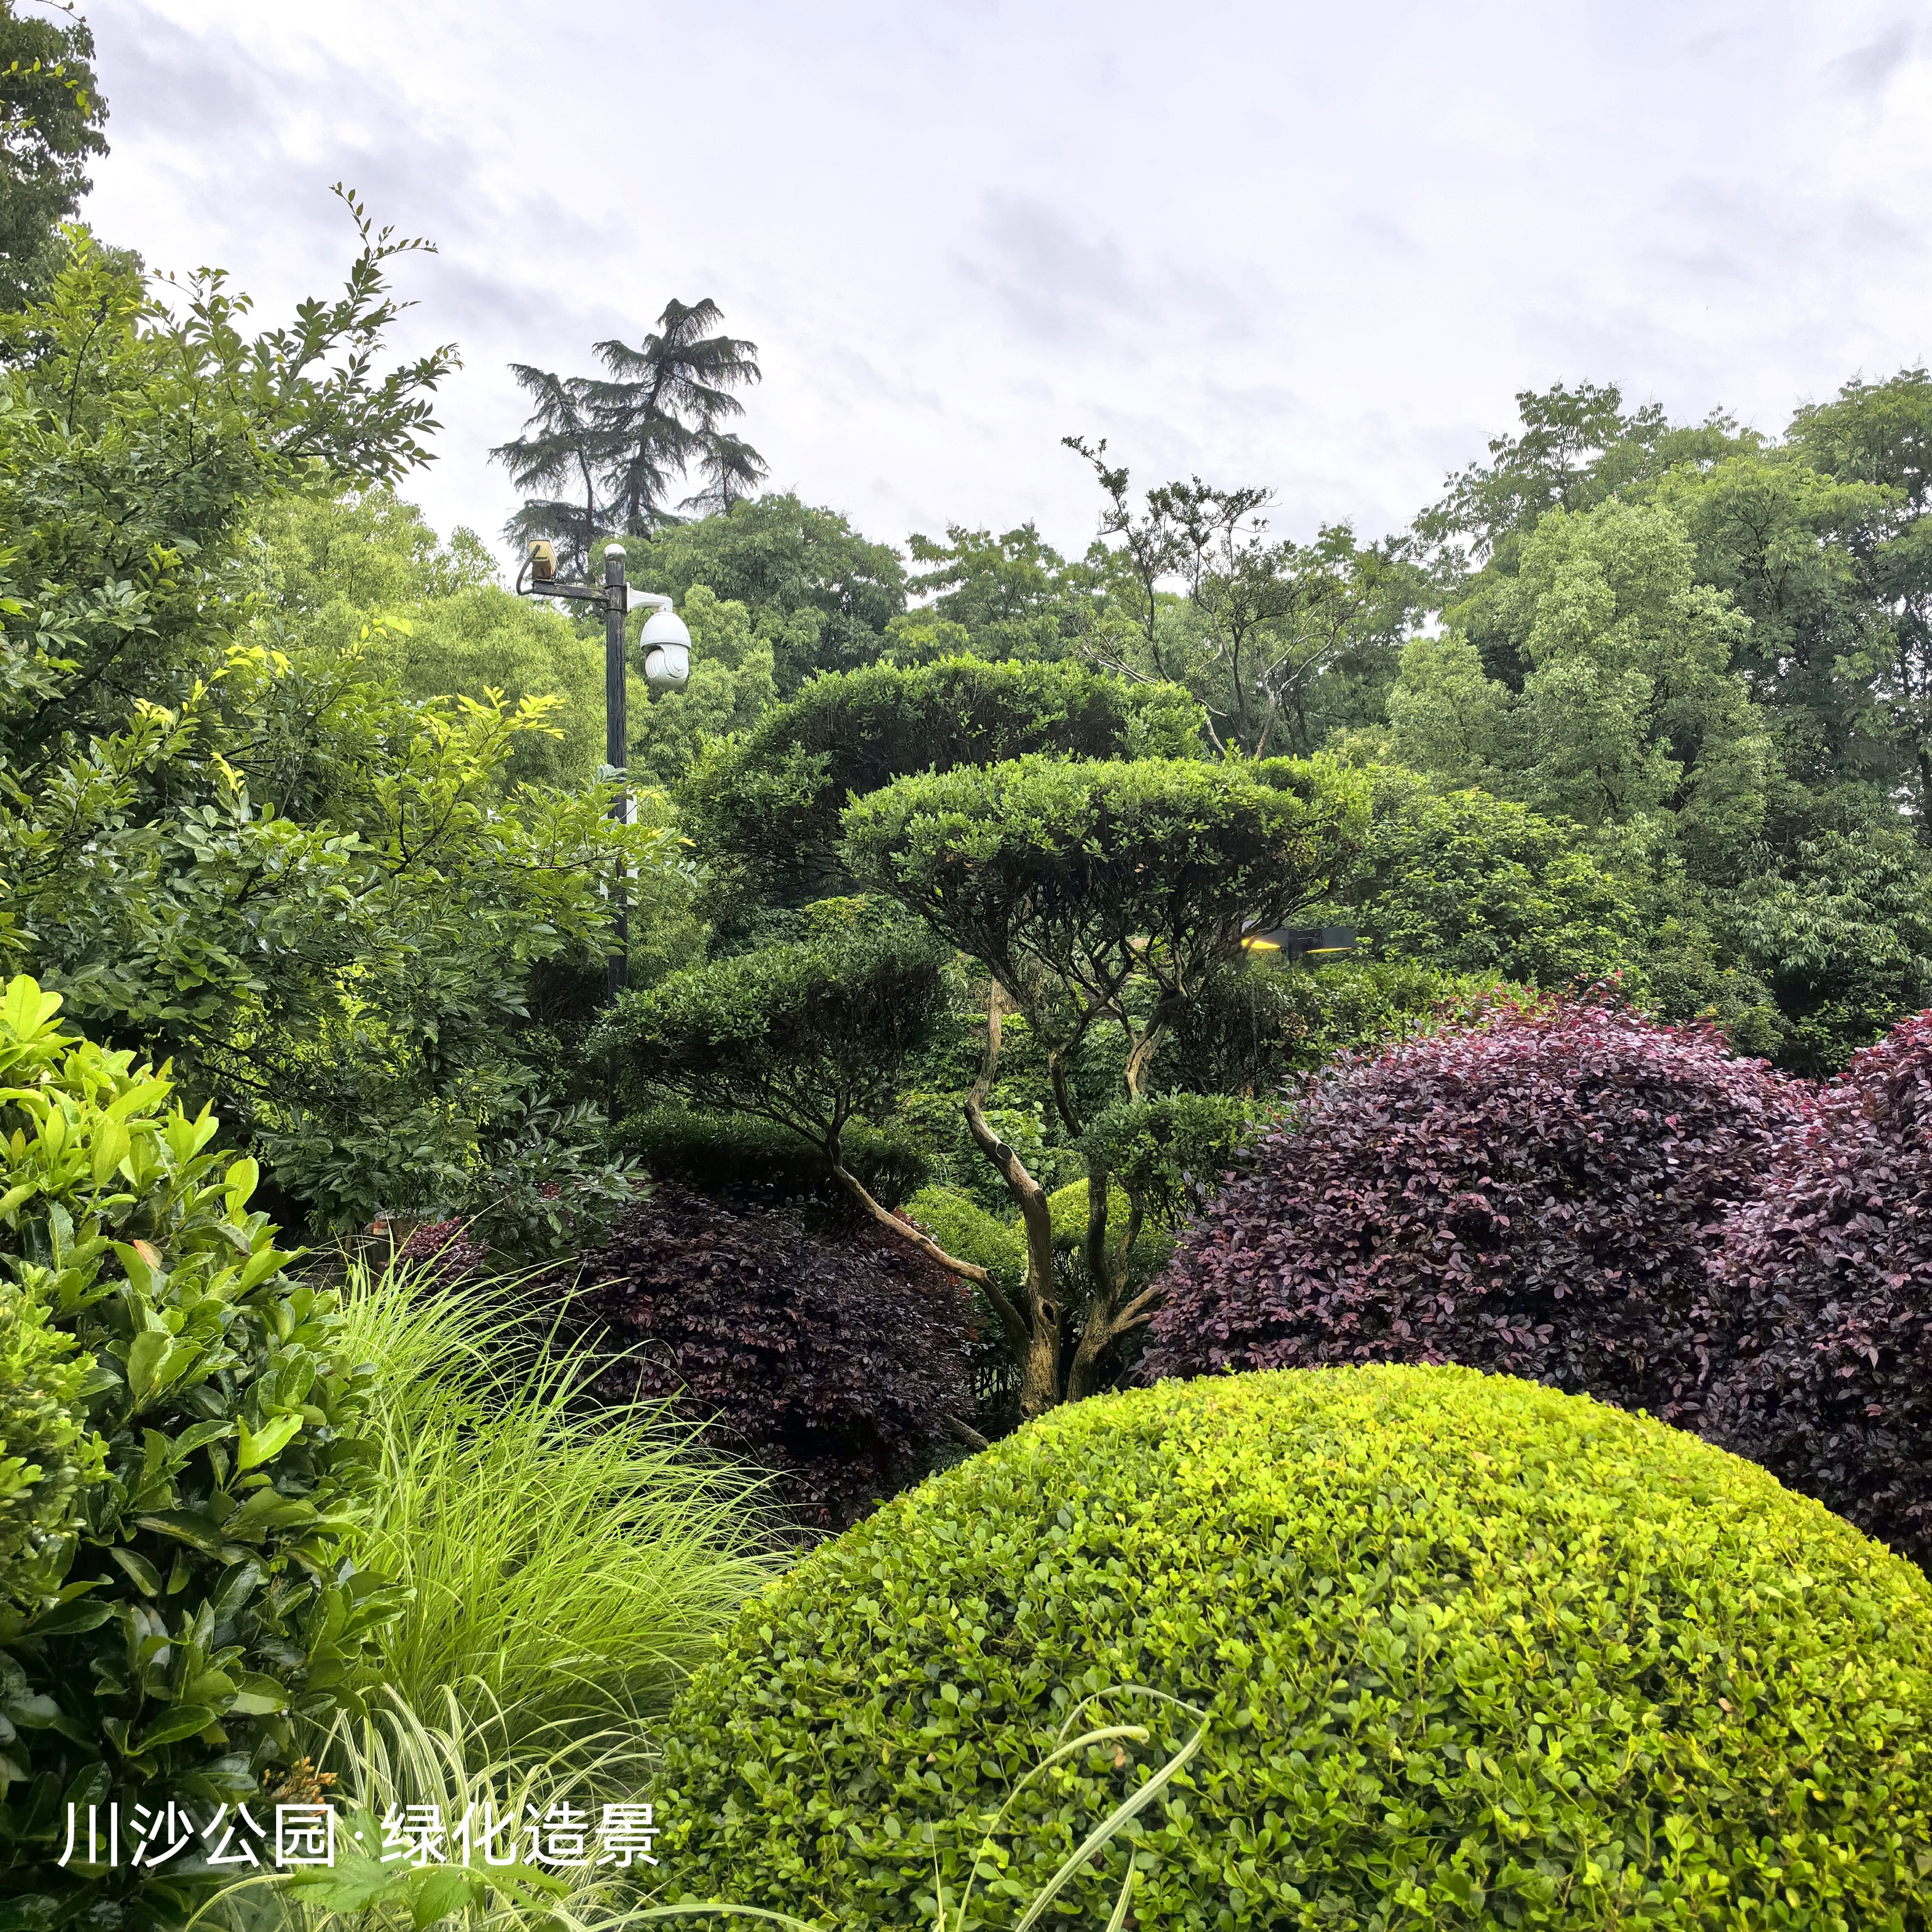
(1469,883)
(566,1567)
(202,1606)
(1475,1653)
(47,1449)
(810,1037)
(719,1151)
(831,1348)
(765,808)
(1533,1195)
(1823,1287)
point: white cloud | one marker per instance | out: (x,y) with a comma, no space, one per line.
(1262,239)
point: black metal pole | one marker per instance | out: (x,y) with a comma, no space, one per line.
(616,748)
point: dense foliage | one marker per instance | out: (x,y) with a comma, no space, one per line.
(47,1449)
(1100,898)
(165,1644)
(1535,1194)
(1821,1287)
(832,1349)
(1471,1653)
(766,808)
(246,850)
(51,115)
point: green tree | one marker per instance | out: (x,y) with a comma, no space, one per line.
(662,410)
(358,576)
(559,449)
(765,808)
(1093,895)
(1784,541)
(1469,883)
(1260,625)
(1878,434)
(621,443)
(323,901)
(1010,596)
(51,115)
(820,594)
(1629,713)
(810,1037)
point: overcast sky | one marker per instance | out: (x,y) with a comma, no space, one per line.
(1316,246)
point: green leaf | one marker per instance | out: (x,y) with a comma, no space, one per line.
(439,1893)
(264,1446)
(146,1354)
(196,1531)
(147,1578)
(71,1619)
(183,1721)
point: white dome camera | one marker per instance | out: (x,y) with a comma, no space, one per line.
(666,646)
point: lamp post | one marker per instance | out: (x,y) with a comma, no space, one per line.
(667,666)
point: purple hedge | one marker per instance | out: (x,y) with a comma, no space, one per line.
(1824,1285)
(1533,1195)
(833,1351)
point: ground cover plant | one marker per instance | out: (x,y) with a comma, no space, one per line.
(1475,1653)
(1536,1194)
(1821,1288)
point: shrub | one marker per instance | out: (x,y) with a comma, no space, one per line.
(1467,882)
(566,1568)
(829,1347)
(1533,1195)
(717,1152)
(47,1449)
(202,1606)
(1824,1284)
(1473,1653)
(810,1037)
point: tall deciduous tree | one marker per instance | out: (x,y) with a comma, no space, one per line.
(51,115)
(1253,623)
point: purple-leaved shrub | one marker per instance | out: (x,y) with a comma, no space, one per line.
(1534,1194)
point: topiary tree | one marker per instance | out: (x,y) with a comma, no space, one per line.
(1471,1653)
(164,1645)
(765,808)
(1821,1287)
(835,1352)
(1094,896)
(810,1037)
(1535,1194)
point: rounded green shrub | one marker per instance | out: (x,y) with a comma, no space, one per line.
(1473,1653)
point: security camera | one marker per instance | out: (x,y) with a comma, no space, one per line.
(666,646)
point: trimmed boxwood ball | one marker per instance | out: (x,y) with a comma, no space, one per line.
(1535,1195)
(1476,1653)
